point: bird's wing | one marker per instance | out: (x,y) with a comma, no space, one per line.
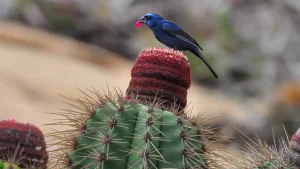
(175,30)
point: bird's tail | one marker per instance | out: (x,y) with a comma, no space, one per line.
(197,53)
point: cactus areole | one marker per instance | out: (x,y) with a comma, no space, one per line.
(162,73)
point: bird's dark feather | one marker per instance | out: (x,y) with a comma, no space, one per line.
(176,31)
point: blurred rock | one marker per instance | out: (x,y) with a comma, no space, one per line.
(281,118)
(263,31)
(285,109)
(6,9)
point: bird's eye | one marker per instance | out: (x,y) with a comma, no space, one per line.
(147,17)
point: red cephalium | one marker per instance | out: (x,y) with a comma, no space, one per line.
(161,73)
(24,139)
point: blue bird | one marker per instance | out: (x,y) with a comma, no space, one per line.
(171,35)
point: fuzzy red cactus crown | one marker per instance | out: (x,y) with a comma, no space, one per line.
(26,141)
(161,73)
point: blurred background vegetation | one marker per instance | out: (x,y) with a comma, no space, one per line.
(50,47)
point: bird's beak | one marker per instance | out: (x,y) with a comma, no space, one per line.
(140,22)
(143,20)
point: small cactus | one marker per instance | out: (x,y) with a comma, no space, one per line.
(147,128)
(284,157)
(294,150)
(22,145)
(257,154)
(274,165)
(7,165)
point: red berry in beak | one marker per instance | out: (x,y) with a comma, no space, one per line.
(138,24)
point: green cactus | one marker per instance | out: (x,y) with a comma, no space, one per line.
(6,165)
(120,133)
(138,136)
(274,165)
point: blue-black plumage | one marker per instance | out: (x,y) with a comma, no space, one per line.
(172,35)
